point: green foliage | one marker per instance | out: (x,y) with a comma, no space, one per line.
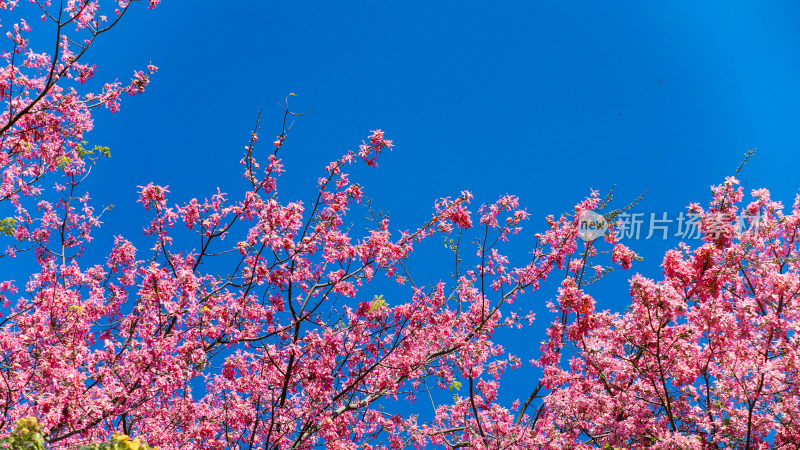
(94,153)
(90,155)
(8,226)
(119,442)
(454,385)
(27,435)
(63,161)
(452,245)
(378,303)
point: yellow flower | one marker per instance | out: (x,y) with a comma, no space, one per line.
(129,444)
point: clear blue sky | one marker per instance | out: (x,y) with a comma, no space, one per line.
(540,99)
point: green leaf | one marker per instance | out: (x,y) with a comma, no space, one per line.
(378,303)
(103,151)
(455,384)
(63,161)
(8,226)
(93,154)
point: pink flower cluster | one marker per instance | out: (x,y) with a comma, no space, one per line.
(256,322)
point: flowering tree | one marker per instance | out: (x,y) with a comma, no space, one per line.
(252,322)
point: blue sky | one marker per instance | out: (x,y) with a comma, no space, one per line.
(539,99)
(544,100)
